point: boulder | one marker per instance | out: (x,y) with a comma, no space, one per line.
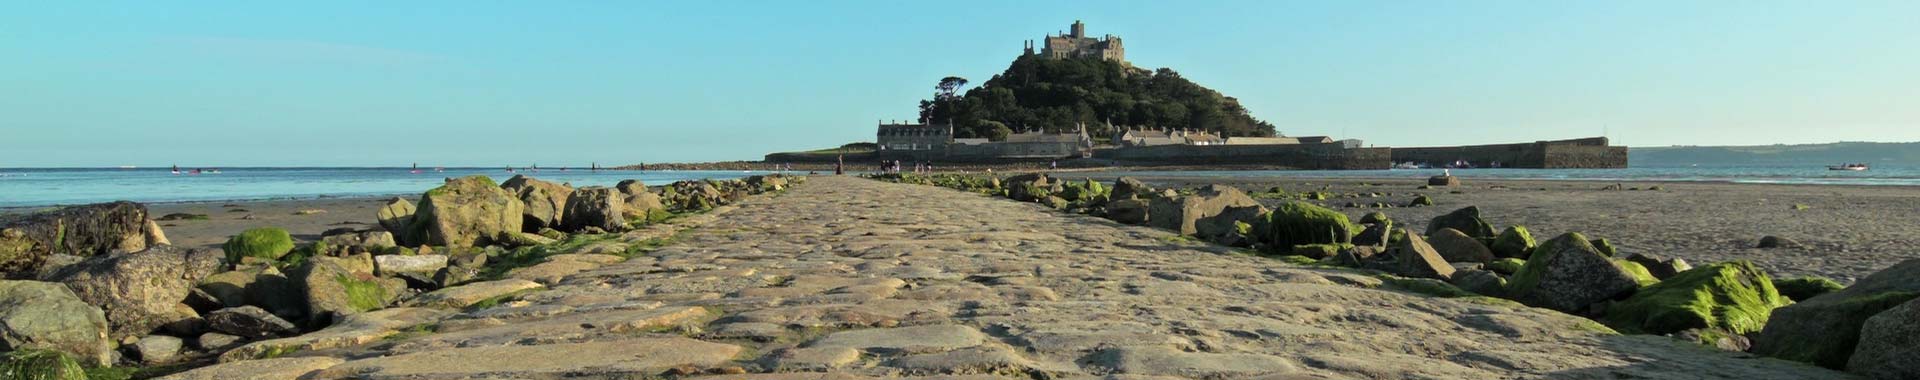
(250,322)
(1506,266)
(1824,330)
(1732,296)
(522,239)
(1605,247)
(594,206)
(1032,187)
(1182,213)
(693,196)
(1889,344)
(1420,201)
(154,235)
(1229,223)
(766,183)
(1457,247)
(89,230)
(265,244)
(140,291)
(546,202)
(467,211)
(47,315)
(1129,211)
(1568,274)
(157,349)
(1443,180)
(1805,288)
(1376,217)
(371,240)
(1479,281)
(1413,257)
(1467,220)
(1088,191)
(339,287)
(397,217)
(1770,242)
(1129,188)
(1660,268)
(416,265)
(215,342)
(1514,242)
(1299,223)
(469,294)
(1376,234)
(639,201)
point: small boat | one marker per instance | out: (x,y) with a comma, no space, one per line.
(416,169)
(1849,167)
(176,169)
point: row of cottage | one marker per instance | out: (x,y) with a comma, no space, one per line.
(908,141)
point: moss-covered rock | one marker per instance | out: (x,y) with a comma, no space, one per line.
(1467,220)
(1889,344)
(1319,251)
(1514,242)
(1605,247)
(38,364)
(1640,273)
(1804,288)
(1420,201)
(1733,296)
(1568,274)
(1506,266)
(262,243)
(1376,217)
(1824,330)
(1291,224)
(1457,247)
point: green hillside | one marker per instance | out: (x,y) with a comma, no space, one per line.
(1055,95)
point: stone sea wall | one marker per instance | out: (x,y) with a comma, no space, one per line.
(1332,156)
(1588,153)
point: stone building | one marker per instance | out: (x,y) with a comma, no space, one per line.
(932,142)
(911,137)
(1075,43)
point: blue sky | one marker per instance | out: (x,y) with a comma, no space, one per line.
(566,83)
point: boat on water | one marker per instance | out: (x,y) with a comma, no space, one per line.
(1849,167)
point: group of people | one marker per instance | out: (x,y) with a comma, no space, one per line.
(895,167)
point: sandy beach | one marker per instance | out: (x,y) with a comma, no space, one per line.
(1847,231)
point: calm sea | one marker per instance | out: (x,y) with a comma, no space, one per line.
(42,187)
(1807,174)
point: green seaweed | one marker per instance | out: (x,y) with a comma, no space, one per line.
(1605,247)
(40,364)
(1639,272)
(1804,288)
(268,243)
(1734,296)
(1514,242)
(1421,200)
(1425,286)
(363,295)
(1507,266)
(1300,223)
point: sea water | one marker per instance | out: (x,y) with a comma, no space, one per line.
(1778,174)
(46,187)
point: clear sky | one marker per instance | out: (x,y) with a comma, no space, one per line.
(387,83)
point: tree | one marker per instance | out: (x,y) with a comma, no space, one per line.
(950,86)
(1056,95)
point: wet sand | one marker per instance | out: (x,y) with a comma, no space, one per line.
(225,219)
(1847,231)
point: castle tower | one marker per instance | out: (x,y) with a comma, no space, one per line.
(1079,29)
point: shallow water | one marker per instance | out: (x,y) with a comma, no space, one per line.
(1808,174)
(42,187)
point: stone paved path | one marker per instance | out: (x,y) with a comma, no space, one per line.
(844,278)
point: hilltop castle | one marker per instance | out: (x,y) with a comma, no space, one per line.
(1075,43)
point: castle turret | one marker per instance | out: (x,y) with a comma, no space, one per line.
(1079,29)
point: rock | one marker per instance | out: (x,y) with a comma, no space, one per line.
(1128,211)
(1889,344)
(339,287)
(1479,281)
(372,240)
(1660,269)
(1129,188)
(595,206)
(1467,220)
(1717,339)
(603,359)
(1605,247)
(250,322)
(522,239)
(355,330)
(1443,180)
(766,183)
(1032,187)
(140,291)
(467,211)
(1232,225)
(1163,361)
(906,340)
(1770,242)
(1824,330)
(1299,223)
(1506,266)
(396,265)
(89,230)
(1731,296)
(811,358)
(277,368)
(1514,242)
(397,217)
(155,236)
(1376,235)
(1420,201)
(157,349)
(1376,217)
(640,202)
(264,243)
(1457,247)
(469,294)
(693,196)
(546,202)
(1805,288)
(49,316)
(215,342)
(1182,213)
(1413,257)
(1568,274)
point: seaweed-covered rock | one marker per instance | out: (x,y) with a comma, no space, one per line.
(44,315)
(1031,187)
(1376,217)
(1479,281)
(337,287)
(1605,247)
(1770,241)
(1183,212)
(1375,234)
(1568,274)
(1824,330)
(766,183)
(250,322)
(1130,188)
(1319,251)
(1660,268)
(546,202)
(1467,220)
(640,202)
(1227,225)
(1889,344)
(1087,191)
(88,230)
(1506,266)
(1514,242)
(693,196)
(1300,223)
(1129,211)
(1443,180)
(467,211)
(1732,296)
(1413,257)
(1457,247)
(601,207)
(1804,288)
(260,243)
(396,216)
(140,291)
(1420,201)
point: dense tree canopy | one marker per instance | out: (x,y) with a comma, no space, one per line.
(1055,95)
